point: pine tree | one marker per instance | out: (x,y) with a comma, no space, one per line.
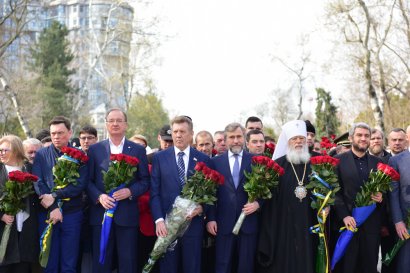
(51,57)
(327,122)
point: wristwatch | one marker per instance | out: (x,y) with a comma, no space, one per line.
(54,194)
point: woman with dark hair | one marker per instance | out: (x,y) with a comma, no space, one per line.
(23,245)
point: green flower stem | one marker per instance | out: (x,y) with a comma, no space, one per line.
(4,241)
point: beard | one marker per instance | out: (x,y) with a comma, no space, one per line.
(298,156)
(358,148)
(375,150)
(236,149)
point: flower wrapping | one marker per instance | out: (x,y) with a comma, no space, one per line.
(379,181)
(263,177)
(17,187)
(119,175)
(200,188)
(324,184)
(65,172)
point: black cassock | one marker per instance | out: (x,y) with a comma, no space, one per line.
(285,244)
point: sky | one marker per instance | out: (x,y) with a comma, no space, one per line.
(217,64)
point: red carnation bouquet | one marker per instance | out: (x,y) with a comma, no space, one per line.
(269,150)
(379,181)
(65,172)
(260,181)
(119,174)
(200,188)
(121,171)
(323,184)
(17,187)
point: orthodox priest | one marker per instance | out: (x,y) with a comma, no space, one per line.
(285,244)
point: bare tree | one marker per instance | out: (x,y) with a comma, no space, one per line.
(373,39)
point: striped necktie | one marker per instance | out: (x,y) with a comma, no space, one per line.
(181,168)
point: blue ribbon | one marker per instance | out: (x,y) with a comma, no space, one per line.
(314,174)
(66,157)
(106,225)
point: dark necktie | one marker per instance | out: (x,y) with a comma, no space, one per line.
(181,168)
(235,171)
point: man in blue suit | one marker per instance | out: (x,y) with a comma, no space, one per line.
(124,229)
(232,200)
(400,205)
(170,168)
(66,234)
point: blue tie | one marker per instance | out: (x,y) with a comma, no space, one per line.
(181,168)
(235,171)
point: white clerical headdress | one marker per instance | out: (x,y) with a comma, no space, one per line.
(290,129)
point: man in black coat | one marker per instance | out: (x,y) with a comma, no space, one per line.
(353,171)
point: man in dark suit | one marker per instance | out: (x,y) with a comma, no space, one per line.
(170,168)
(66,234)
(124,229)
(232,200)
(353,171)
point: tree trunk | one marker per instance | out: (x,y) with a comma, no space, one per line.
(16,105)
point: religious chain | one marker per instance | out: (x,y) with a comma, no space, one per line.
(300,190)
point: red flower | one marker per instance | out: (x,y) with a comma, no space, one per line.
(386,169)
(199,166)
(22,177)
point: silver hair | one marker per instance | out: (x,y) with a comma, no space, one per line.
(32,141)
(361,125)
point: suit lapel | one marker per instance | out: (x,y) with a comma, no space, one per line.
(127,147)
(228,174)
(192,160)
(246,161)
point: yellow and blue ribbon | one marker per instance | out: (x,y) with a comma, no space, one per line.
(106,226)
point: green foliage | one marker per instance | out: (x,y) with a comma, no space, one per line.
(51,57)
(378,182)
(65,172)
(146,116)
(118,173)
(12,199)
(327,122)
(200,190)
(327,173)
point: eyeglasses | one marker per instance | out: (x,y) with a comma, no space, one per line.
(87,138)
(112,121)
(4,151)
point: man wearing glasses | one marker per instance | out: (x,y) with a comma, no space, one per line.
(87,136)
(124,228)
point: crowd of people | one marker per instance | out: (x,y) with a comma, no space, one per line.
(275,234)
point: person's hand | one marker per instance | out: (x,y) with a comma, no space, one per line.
(106,201)
(378,197)
(250,208)
(46,200)
(402,230)
(326,211)
(55,216)
(7,219)
(197,211)
(212,227)
(161,229)
(349,222)
(121,194)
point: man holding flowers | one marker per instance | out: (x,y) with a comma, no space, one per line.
(400,205)
(285,244)
(235,252)
(124,227)
(67,220)
(170,169)
(353,171)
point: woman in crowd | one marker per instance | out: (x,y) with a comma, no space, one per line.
(23,246)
